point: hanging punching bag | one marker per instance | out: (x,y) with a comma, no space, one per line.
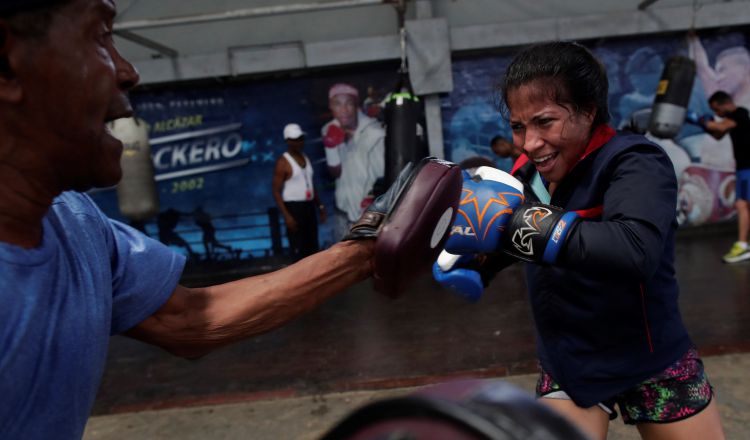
(672,97)
(136,193)
(403,110)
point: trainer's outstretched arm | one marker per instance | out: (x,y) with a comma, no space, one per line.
(195,321)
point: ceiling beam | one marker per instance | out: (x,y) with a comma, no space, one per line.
(146,42)
(463,38)
(645,4)
(245,13)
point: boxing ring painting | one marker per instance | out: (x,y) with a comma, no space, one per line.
(214,146)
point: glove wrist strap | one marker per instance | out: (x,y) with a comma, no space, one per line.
(537,232)
(366,227)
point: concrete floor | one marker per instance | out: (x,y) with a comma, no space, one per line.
(307,418)
(296,382)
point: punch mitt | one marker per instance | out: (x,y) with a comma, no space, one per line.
(410,222)
(458,410)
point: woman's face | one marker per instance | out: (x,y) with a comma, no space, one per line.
(553,136)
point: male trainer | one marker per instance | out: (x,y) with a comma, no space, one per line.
(69,276)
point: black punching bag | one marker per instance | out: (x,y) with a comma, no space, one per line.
(403,110)
(672,97)
(136,193)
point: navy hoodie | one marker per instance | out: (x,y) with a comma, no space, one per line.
(606,314)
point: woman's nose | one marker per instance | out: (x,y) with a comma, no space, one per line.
(532,142)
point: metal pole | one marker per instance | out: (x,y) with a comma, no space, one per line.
(244,13)
(645,4)
(146,42)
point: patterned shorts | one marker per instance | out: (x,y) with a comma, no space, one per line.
(680,391)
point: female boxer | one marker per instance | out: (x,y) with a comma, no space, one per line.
(596,219)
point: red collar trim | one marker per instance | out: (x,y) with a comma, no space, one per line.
(520,161)
(596,211)
(601,136)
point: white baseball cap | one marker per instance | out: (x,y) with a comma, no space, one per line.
(293,131)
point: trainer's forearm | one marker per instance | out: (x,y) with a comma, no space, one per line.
(195,321)
(261,303)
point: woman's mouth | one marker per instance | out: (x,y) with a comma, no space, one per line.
(545,163)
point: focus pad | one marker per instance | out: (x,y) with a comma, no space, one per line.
(415,230)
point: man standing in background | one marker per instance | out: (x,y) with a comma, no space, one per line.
(355,154)
(736,122)
(295,195)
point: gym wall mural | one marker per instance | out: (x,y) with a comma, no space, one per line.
(214,147)
(704,166)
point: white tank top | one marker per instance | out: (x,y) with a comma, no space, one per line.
(299,187)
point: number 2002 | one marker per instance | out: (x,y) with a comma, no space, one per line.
(187,185)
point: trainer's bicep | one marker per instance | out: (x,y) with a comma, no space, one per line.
(172,320)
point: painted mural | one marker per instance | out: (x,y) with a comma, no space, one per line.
(704,166)
(214,147)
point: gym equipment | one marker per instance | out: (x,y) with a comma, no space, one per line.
(672,97)
(403,112)
(461,410)
(136,193)
(411,222)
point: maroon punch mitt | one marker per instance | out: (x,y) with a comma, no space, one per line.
(414,232)
(410,222)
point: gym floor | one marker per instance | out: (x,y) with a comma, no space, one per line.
(299,380)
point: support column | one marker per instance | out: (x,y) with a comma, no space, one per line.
(433,112)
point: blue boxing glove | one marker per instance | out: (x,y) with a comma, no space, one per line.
(692,117)
(494,217)
(468,275)
(448,271)
(488,200)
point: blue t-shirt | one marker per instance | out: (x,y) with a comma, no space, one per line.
(91,277)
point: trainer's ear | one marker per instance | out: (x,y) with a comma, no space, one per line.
(10,89)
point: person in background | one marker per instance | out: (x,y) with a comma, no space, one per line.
(295,195)
(505,151)
(735,121)
(355,153)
